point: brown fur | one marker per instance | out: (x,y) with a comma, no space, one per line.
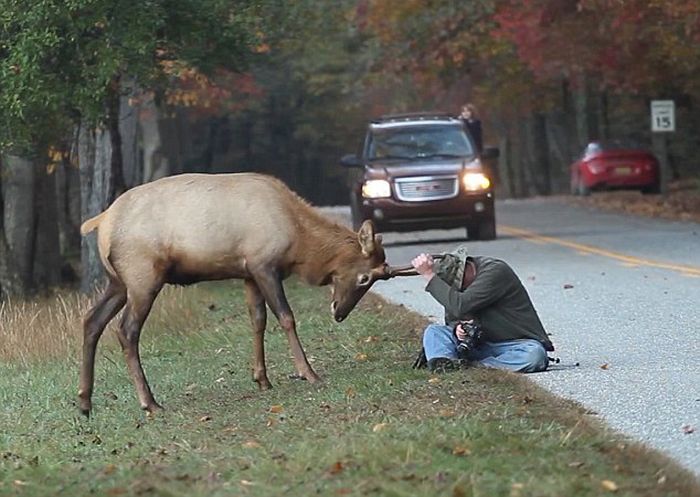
(196,227)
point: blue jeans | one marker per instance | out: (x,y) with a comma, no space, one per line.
(523,356)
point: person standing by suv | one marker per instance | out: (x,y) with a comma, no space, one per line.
(473,124)
(485,293)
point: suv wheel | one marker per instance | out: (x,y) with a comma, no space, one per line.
(485,230)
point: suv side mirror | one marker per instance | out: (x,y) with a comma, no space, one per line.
(350,160)
(490,153)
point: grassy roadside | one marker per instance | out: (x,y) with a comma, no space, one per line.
(682,202)
(374,427)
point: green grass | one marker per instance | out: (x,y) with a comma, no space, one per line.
(374,427)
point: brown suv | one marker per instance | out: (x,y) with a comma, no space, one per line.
(422,171)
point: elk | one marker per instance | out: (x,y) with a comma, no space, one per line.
(200,227)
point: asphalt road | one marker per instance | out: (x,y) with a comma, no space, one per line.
(620,296)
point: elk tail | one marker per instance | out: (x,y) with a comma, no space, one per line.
(91,224)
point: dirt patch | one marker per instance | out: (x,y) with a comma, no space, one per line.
(682,202)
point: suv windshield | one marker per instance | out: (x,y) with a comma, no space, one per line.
(416,142)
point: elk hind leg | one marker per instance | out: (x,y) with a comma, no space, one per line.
(108,305)
(258,319)
(138,305)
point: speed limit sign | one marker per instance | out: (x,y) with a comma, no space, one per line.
(663,116)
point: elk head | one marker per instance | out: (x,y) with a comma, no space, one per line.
(354,277)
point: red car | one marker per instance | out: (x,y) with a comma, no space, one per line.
(608,165)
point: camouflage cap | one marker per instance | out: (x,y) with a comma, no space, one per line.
(451,267)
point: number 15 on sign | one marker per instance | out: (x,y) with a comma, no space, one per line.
(663,116)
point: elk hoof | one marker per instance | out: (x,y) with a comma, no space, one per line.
(313,378)
(152,409)
(264,384)
(297,376)
(85,407)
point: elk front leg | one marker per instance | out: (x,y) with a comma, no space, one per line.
(138,306)
(270,285)
(109,304)
(258,318)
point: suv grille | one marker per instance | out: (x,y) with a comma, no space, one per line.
(425,188)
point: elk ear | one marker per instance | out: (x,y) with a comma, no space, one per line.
(366,238)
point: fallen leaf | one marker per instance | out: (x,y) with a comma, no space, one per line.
(350,392)
(205,418)
(247,483)
(19,483)
(687,429)
(116,491)
(271,422)
(604,366)
(336,468)
(661,480)
(609,485)
(447,413)
(434,380)
(251,444)
(219,380)
(568,286)
(379,427)
(371,338)
(461,451)
(576,464)
(109,469)
(360,356)
(343,491)
(276,409)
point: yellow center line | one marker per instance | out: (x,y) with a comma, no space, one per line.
(627,260)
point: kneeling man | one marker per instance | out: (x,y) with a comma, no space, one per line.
(489,317)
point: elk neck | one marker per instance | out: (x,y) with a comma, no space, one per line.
(322,247)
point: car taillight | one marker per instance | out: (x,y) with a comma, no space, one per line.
(596,168)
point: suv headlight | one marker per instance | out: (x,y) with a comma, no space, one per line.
(376,188)
(475,181)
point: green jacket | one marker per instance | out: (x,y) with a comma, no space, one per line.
(497,298)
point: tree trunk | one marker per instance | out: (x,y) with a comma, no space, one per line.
(17,238)
(128,129)
(68,201)
(586,119)
(603,116)
(542,174)
(47,255)
(96,190)
(115,163)
(154,163)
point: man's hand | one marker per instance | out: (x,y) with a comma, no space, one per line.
(423,264)
(459,331)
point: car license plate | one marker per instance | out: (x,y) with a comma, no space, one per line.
(623,171)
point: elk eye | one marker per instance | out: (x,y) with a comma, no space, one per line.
(363,279)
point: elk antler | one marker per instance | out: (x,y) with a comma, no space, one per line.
(407,270)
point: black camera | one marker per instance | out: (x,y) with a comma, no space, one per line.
(473,333)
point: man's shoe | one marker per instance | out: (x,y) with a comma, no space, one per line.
(442,364)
